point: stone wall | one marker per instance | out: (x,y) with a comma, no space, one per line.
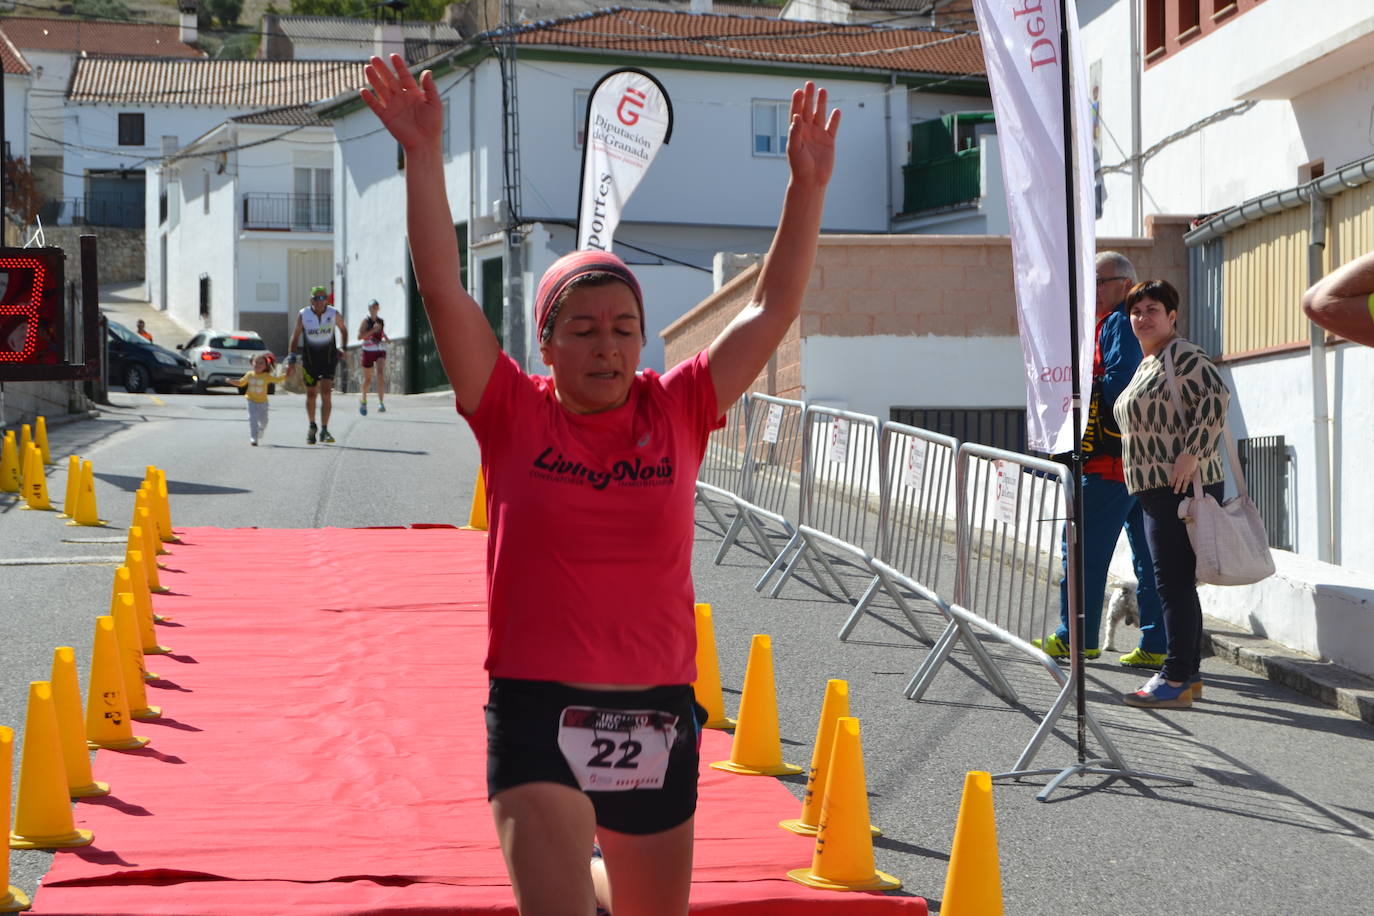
(23,402)
(909,285)
(350,377)
(119,252)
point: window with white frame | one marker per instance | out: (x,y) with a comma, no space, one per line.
(770,127)
(311,208)
(581,99)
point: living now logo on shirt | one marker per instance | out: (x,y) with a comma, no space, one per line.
(551,464)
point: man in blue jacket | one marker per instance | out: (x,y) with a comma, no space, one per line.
(1106,503)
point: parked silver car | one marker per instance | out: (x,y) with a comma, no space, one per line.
(222,356)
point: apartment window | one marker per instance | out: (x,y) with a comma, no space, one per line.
(770,128)
(581,98)
(130,128)
(1222,8)
(1189,17)
(311,202)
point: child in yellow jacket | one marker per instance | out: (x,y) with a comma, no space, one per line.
(256,383)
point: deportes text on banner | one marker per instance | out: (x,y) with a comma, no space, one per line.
(628,118)
(1021,47)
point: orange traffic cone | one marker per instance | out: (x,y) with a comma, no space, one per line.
(834,708)
(164,510)
(757,748)
(107,706)
(35,481)
(477,514)
(71,726)
(973,884)
(10,476)
(40,439)
(131,658)
(73,486)
(843,860)
(42,810)
(12,899)
(86,513)
(151,545)
(25,440)
(707,684)
(144,502)
(134,553)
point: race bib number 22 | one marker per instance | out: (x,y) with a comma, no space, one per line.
(615,750)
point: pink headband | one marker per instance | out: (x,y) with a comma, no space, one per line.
(567,269)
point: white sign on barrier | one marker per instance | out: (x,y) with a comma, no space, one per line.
(915,464)
(774,424)
(1008,485)
(839,440)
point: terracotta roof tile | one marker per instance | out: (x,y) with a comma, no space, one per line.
(762,39)
(126,39)
(227,83)
(14,61)
(290,116)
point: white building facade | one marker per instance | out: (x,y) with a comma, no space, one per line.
(1256,118)
(716,186)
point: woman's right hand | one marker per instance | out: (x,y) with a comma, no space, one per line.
(412,112)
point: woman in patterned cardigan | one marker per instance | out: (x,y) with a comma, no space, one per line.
(1163,446)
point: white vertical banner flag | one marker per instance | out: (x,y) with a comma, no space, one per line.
(1025,64)
(629,117)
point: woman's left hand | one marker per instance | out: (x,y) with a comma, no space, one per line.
(811,137)
(1184,469)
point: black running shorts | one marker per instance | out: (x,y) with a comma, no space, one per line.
(526,718)
(318,363)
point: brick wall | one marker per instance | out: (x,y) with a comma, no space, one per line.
(908,285)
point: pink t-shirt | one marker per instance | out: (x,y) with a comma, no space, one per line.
(590,517)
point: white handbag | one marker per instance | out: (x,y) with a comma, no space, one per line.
(1228,538)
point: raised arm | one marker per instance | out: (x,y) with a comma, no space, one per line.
(1343,301)
(414,114)
(741,351)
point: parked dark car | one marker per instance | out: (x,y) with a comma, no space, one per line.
(138,364)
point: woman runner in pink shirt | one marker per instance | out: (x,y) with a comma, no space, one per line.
(592,728)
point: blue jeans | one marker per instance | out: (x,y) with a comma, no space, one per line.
(1107,506)
(1176,573)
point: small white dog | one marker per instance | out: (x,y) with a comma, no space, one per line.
(1121,608)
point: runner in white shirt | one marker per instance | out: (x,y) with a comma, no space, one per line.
(318,323)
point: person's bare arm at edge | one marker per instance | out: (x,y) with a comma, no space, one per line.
(295,334)
(1342,302)
(741,351)
(414,114)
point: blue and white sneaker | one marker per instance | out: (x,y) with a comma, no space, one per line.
(1157,694)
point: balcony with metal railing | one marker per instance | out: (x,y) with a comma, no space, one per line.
(946,168)
(288,212)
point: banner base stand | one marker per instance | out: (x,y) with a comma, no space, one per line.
(1100,767)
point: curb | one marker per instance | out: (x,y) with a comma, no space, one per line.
(1346,690)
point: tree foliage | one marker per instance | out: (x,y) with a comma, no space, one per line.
(427,10)
(22,197)
(226,11)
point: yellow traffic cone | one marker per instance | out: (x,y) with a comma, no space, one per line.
(707,684)
(145,502)
(164,511)
(86,513)
(42,810)
(73,487)
(757,748)
(843,860)
(131,579)
(71,726)
(25,440)
(35,481)
(134,553)
(12,899)
(834,708)
(973,883)
(477,514)
(131,658)
(152,547)
(107,706)
(10,478)
(40,439)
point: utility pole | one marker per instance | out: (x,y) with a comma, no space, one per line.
(513,307)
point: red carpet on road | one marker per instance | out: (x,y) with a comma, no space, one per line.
(322,749)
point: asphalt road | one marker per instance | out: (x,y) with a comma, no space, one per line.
(1280,818)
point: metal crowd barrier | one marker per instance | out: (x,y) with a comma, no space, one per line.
(916,520)
(721,476)
(840,478)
